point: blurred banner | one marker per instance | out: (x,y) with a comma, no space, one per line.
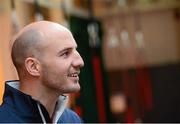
(93,98)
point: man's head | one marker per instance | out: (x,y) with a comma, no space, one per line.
(45,52)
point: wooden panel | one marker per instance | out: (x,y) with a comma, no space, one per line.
(7,70)
(161,37)
(1,80)
(160,40)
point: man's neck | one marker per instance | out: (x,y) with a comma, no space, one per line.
(46,97)
(49,104)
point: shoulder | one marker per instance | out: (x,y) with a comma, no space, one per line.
(4,112)
(69,116)
(6,115)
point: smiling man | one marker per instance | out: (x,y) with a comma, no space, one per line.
(48,65)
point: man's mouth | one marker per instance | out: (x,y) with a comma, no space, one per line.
(73,75)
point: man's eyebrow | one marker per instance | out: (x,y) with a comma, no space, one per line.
(64,49)
(68,48)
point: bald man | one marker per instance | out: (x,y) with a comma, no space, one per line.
(48,64)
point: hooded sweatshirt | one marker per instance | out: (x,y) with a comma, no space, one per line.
(18,107)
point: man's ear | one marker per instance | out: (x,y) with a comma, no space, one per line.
(32,66)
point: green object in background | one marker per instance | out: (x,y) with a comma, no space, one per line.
(88,94)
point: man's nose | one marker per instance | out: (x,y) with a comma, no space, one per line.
(78,62)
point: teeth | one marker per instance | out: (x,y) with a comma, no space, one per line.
(73,75)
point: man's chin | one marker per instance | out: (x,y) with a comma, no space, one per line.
(74,89)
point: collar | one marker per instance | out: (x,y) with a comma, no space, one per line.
(28,102)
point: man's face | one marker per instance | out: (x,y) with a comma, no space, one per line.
(61,64)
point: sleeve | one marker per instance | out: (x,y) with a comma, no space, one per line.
(69,116)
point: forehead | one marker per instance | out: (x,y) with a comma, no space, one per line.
(60,40)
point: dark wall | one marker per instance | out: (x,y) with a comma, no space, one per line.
(166,94)
(153,93)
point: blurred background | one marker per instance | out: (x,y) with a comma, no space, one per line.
(131,50)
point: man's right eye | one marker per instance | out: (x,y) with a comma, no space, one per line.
(65,54)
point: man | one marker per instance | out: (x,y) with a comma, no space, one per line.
(48,64)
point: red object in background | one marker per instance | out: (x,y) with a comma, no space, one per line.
(144,92)
(129,115)
(99,89)
(78,110)
(126,80)
(145,89)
